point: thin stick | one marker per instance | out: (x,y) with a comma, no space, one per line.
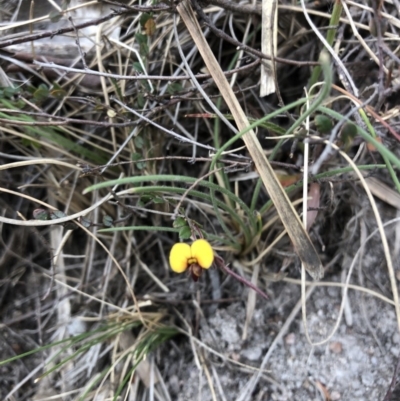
(221,264)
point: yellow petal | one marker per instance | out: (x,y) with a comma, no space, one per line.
(179,256)
(203,253)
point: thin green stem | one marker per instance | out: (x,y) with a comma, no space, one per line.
(252,126)
(166,178)
(330,37)
(326,87)
(371,129)
(256,193)
(386,153)
(173,178)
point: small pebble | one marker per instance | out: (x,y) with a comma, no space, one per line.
(290,339)
(336,347)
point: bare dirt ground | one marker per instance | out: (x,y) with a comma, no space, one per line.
(355,362)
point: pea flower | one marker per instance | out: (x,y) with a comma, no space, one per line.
(194,257)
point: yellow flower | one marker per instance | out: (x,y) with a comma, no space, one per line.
(184,256)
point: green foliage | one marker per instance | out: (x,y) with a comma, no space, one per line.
(41,93)
(108,221)
(137,67)
(323,123)
(69,349)
(37,135)
(349,131)
(139,142)
(179,222)
(139,165)
(143,46)
(174,88)
(185,233)
(144,18)
(140,100)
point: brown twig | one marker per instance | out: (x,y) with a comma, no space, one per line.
(140,77)
(221,264)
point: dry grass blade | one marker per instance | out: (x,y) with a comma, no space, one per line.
(288,215)
(383,192)
(269,32)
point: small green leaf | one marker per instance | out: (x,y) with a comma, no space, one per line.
(57,214)
(41,93)
(139,142)
(185,233)
(145,85)
(140,100)
(158,199)
(85,222)
(139,165)
(10,91)
(141,39)
(174,87)
(40,214)
(146,199)
(179,222)
(144,18)
(323,124)
(347,135)
(143,47)
(108,221)
(349,131)
(137,67)
(19,104)
(30,89)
